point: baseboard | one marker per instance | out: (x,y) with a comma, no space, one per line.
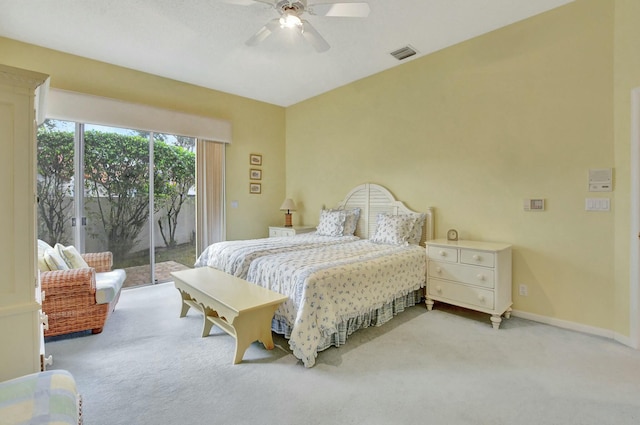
(565,324)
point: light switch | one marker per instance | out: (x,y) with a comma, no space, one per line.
(597,204)
(234,204)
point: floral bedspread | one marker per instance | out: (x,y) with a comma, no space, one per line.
(336,282)
(234,257)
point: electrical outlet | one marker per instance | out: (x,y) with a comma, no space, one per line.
(524,291)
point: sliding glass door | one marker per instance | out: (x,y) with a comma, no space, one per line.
(96,191)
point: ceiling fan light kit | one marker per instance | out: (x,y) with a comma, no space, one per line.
(290,18)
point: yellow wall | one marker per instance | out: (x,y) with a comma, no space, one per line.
(524,111)
(257,127)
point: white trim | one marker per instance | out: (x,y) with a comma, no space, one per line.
(565,324)
(634,251)
(79,107)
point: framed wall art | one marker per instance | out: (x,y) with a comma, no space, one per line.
(255,188)
(255,174)
(255,159)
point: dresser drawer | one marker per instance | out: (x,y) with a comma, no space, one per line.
(458,293)
(466,274)
(441,253)
(477,258)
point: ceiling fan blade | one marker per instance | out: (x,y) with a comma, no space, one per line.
(351,10)
(248,2)
(312,36)
(263,32)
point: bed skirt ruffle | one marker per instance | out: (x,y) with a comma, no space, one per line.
(345,328)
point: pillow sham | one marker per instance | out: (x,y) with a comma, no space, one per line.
(331,223)
(393,229)
(71,256)
(416,231)
(351,221)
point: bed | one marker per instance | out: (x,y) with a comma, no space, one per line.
(349,281)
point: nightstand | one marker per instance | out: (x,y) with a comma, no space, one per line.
(278,231)
(470,274)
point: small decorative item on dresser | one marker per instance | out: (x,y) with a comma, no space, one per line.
(288,205)
(452,235)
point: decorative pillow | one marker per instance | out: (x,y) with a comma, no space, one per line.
(351,221)
(331,223)
(393,229)
(42,247)
(71,256)
(54,260)
(416,232)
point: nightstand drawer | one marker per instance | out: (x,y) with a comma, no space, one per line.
(441,253)
(466,274)
(477,258)
(461,293)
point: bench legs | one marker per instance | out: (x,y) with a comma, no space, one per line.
(247,327)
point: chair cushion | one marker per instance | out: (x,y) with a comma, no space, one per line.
(108,284)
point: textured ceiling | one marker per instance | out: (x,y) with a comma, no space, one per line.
(203,41)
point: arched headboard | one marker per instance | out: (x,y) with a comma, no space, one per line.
(373,199)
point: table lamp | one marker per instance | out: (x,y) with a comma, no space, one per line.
(288,205)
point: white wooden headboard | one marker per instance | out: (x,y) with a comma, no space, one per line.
(373,199)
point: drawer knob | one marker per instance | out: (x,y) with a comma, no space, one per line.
(442,254)
(476,257)
(480,277)
(481,298)
(438,270)
(438,288)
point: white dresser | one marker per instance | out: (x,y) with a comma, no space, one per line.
(278,231)
(470,274)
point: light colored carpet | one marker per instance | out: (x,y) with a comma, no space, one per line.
(447,366)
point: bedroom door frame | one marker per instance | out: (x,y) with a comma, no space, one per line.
(634,287)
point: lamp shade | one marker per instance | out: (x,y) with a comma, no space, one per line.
(288,205)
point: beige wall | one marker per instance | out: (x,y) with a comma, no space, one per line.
(471,130)
(257,127)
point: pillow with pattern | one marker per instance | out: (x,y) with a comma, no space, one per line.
(393,229)
(351,221)
(416,231)
(331,223)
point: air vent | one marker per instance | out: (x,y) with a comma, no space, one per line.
(403,52)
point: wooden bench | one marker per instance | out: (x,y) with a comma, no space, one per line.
(240,308)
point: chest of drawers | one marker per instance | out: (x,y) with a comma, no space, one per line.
(470,274)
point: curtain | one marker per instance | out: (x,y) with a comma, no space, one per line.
(210,196)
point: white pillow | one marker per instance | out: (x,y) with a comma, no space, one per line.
(54,260)
(42,247)
(393,229)
(71,256)
(331,223)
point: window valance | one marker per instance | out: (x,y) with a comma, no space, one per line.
(72,106)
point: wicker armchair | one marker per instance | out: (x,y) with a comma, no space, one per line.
(70,296)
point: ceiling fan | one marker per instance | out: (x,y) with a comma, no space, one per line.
(291,12)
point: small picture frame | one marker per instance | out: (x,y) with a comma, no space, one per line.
(255,188)
(255,159)
(255,174)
